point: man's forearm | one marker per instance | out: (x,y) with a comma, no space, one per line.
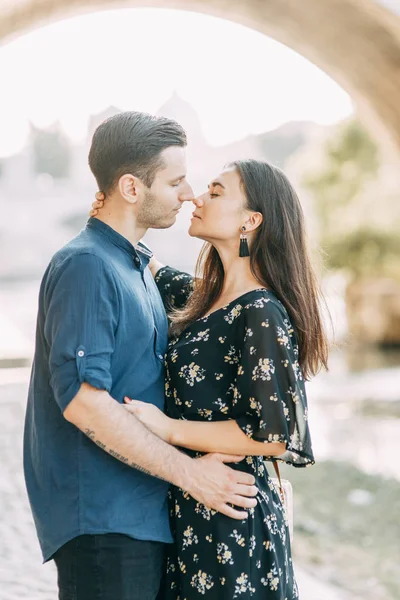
(119,433)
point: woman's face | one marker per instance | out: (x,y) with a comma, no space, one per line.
(220,213)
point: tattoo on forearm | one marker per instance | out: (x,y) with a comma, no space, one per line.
(92,435)
(118,456)
(142,469)
(89,433)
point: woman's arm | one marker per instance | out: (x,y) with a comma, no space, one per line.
(224,437)
(175,286)
(155,266)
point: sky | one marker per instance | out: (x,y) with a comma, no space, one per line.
(238,80)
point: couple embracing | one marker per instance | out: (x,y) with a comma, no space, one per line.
(156,398)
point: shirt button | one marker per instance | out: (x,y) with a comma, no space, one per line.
(161,357)
(137,261)
(81,353)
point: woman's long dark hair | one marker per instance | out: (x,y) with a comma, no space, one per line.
(279,260)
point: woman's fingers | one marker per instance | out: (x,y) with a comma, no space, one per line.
(132,405)
(97,204)
(137,403)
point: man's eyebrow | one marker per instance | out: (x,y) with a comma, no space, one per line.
(215,183)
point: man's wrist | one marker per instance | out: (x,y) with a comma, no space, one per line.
(185,473)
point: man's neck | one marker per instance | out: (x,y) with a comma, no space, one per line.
(124,223)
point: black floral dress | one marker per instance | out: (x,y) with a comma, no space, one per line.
(240,362)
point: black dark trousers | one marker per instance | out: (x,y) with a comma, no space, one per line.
(109,567)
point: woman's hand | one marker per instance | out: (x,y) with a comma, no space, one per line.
(97,204)
(152,417)
(155,265)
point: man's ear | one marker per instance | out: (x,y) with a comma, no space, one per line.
(129,187)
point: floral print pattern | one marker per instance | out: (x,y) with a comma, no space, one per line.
(239,362)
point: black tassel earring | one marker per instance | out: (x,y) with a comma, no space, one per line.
(244,246)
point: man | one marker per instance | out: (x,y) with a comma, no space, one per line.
(97,479)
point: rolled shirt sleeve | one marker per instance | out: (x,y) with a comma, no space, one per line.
(80,324)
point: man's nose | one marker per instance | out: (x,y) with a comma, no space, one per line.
(187,194)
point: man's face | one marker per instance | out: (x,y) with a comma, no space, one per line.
(163,200)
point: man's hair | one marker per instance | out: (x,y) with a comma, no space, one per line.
(131,142)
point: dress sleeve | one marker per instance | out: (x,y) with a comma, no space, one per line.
(174,286)
(271,396)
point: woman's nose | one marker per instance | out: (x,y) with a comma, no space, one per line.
(199,201)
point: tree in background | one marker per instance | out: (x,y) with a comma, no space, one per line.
(356,206)
(51,151)
(349,202)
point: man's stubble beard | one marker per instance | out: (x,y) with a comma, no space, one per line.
(152,215)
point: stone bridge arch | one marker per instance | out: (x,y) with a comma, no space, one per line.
(356,42)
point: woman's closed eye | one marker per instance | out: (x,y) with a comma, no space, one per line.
(214,195)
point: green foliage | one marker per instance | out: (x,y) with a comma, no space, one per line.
(348,234)
(366,252)
(351,160)
(51,151)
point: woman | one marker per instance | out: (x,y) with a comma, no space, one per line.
(245,334)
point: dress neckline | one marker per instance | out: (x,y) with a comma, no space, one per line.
(261,289)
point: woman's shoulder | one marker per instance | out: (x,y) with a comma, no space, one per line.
(263,301)
(264,314)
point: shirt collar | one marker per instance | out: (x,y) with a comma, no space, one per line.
(140,251)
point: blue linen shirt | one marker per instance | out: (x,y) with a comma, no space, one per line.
(101,321)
